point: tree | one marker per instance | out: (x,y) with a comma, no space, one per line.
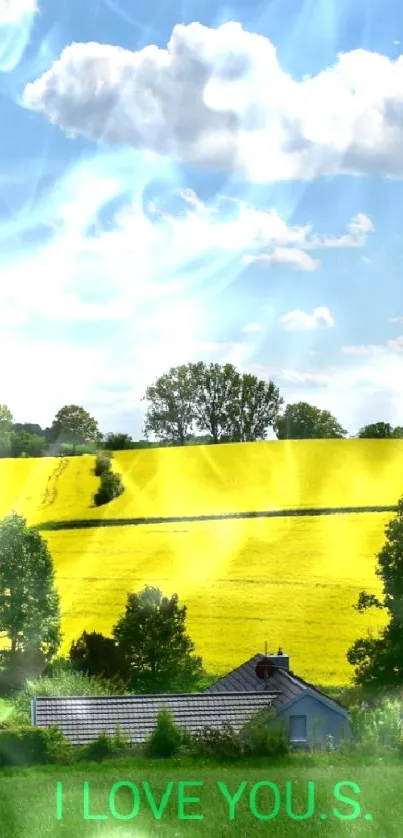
(73,424)
(304,421)
(171,412)
(152,637)
(216,399)
(117,442)
(29,602)
(29,427)
(24,444)
(96,655)
(6,424)
(379,660)
(378,430)
(256,410)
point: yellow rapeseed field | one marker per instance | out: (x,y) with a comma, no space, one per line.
(292,581)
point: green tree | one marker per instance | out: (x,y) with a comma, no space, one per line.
(24,444)
(73,424)
(117,442)
(96,655)
(256,409)
(29,602)
(378,430)
(152,637)
(304,421)
(171,414)
(6,425)
(378,660)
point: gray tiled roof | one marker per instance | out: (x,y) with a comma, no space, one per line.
(82,719)
(288,685)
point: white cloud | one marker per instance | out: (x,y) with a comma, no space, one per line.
(219,97)
(251,328)
(297,377)
(300,320)
(292,257)
(363,349)
(13,11)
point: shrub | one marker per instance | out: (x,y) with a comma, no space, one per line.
(105,747)
(166,738)
(102,463)
(111,487)
(260,738)
(33,746)
(60,684)
(220,743)
(377,728)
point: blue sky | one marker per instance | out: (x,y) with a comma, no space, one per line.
(190,181)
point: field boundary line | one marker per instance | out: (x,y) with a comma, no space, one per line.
(90,523)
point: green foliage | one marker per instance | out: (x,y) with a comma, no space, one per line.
(18,666)
(152,637)
(102,463)
(212,398)
(6,424)
(96,655)
(171,413)
(33,746)
(378,430)
(377,728)
(378,660)
(105,747)
(74,425)
(263,736)
(29,601)
(166,738)
(303,421)
(111,487)
(118,442)
(25,444)
(65,449)
(221,743)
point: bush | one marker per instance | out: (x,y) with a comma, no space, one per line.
(111,487)
(34,746)
(102,463)
(166,738)
(220,743)
(260,739)
(105,747)
(377,728)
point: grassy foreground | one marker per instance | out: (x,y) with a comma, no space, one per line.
(373,807)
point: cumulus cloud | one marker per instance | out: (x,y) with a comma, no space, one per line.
(300,320)
(292,257)
(219,97)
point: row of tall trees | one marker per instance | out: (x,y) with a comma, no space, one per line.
(191,403)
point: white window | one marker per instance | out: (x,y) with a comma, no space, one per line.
(297,728)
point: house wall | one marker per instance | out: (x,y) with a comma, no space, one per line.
(321,721)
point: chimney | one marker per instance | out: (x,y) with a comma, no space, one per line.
(281,660)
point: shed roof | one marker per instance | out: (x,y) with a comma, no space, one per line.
(285,683)
(83,718)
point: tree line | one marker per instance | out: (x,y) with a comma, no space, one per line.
(194,403)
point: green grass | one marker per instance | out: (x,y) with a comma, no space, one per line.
(28,798)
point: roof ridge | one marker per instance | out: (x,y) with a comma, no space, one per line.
(317,690)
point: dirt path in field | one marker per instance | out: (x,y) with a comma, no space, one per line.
(270,513)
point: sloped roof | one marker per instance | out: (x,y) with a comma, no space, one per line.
(83,718)
(288,685)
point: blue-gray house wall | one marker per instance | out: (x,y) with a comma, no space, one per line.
(322,720)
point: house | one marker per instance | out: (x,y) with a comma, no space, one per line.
(263,682)
(310,716)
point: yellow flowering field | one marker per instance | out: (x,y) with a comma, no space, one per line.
(291,581)
(213,479)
